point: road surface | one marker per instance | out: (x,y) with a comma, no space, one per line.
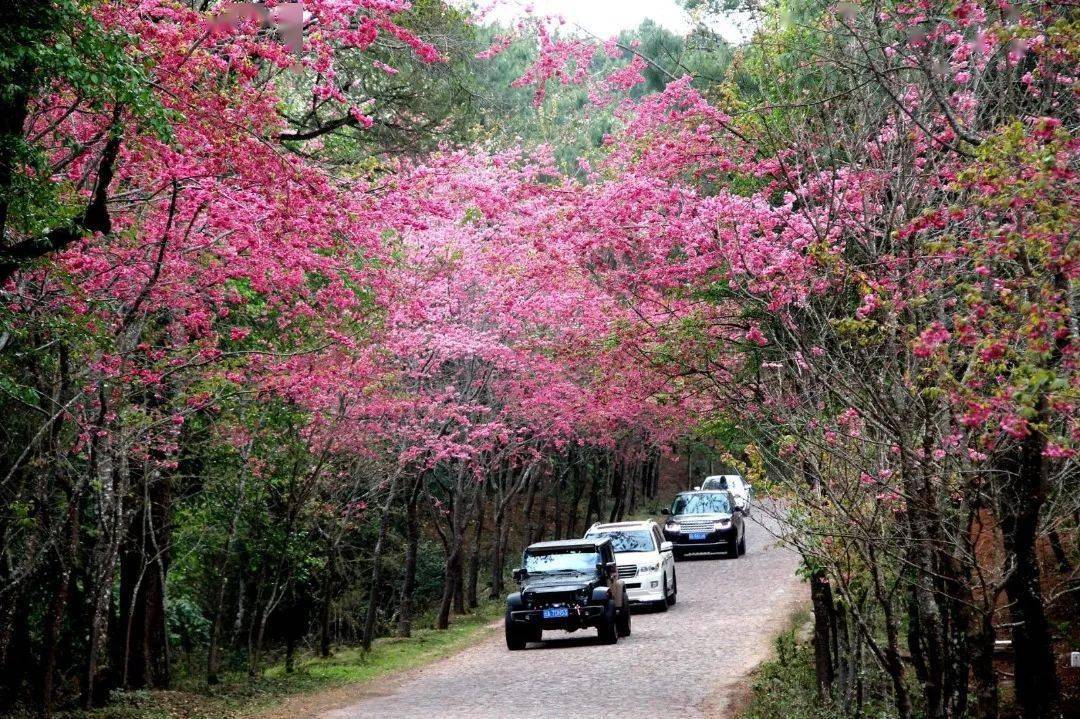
(684,663)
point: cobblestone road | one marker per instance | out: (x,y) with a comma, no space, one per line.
(683,663)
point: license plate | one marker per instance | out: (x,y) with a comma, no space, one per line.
(697,535)
(556,613)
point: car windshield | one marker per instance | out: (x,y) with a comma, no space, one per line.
(580,561)
(705,503)
(636,540)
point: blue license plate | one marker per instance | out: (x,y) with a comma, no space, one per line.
(697,535)
(556,613)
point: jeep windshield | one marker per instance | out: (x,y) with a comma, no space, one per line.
(562,561)
(701,504)
(632,541)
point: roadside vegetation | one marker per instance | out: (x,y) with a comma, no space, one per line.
(239,695)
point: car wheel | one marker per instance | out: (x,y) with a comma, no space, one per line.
(515,639)
(607,631)
(677,554)
(623,625)
(742,544)
(662,605)
(733,551)
(674,590)
(535,635)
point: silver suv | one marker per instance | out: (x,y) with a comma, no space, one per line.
(645,561)
(740,489)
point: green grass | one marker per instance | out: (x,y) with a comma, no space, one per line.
(241,696)
(785,687)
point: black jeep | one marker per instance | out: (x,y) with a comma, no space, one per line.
(570,584)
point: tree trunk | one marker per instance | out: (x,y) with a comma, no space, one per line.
(213,660)
(459,588)
(499,569)
(926,633)
(559,513)
(328,585)
(579,491)
(453,539)
(143,567)
(593,509)
(296,619)
(618,489)
(540,526)
(527,511)
(631,502)
(213,651)
(497,561)
(889,657)
(376,565)
(412,539)
(451,577)
(983,702)
(55,616)
(103,573)
(14,105)
(821,597)
(1062,559)
(471,593)
(1020,501)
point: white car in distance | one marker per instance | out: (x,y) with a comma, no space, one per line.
(740,489)
(645,561)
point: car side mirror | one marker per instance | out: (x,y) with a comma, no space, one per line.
(519,575)
(666,546)
(665,511)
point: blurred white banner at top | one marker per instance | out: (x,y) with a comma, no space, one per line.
(605,18)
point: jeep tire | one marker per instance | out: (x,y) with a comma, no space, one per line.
(607,631)
(622,626)
(674,590)
(742,544)
(515,638)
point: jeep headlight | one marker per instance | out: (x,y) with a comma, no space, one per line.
(723,523)
(672,526)
(582,594)
(648,568)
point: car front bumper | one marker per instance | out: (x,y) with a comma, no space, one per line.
(589,615)
(645,592)
(715,541)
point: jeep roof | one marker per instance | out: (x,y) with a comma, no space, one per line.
(604,526)
(592,544)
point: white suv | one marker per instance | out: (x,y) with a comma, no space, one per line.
(740,489)
(645,560)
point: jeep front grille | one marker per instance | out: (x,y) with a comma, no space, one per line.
(627,570)
(550,599)
(698,525)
